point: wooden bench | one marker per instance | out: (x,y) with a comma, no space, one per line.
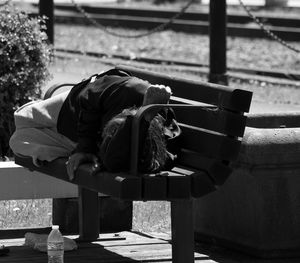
(212,121)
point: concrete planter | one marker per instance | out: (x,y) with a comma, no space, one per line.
(258,209)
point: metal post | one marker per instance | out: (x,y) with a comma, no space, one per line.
(218,32)
(46,8)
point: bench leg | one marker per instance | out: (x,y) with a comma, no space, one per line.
(88,214)
(63,212)
(182,231)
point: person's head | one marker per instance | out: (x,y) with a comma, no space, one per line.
(114,150)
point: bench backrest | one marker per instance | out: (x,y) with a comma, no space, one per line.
(212,131)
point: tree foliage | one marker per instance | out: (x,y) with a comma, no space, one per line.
(24,56)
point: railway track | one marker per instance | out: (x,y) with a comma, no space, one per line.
(287,28)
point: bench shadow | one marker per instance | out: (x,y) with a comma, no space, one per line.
(91,252)
(87,252)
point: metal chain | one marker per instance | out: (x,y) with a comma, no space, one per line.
(159,28)
(267,31)
(5,3)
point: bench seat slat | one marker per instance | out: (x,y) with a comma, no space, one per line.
(167,185)
(217,170)
(120,185)
(201,182)
(222,96)
(154,187)
(178,186)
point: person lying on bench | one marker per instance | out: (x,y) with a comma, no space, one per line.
(92,123)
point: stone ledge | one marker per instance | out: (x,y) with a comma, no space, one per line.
(257,209)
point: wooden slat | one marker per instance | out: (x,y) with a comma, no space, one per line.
(221,96)
(119,185)
(154,187)
(178,186)
(210,144)
(216,169)
(213,119)
(201,183)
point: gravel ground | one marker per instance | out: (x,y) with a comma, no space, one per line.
(242,52)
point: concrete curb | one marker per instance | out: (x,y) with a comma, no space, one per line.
(257,209)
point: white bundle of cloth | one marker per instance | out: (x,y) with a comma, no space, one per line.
(36,133)
(39,242)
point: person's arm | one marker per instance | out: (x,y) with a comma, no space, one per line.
(98,102)
(89,121)
(79,158)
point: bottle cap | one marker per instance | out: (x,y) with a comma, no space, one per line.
(55,227)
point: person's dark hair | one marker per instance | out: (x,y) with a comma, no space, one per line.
(153,153)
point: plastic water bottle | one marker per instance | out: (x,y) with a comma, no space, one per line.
(55,246)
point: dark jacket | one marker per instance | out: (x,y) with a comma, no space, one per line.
(89,106)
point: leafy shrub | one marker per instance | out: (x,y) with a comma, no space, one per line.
(24,56)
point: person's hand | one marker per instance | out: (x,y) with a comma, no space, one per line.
(77,159)
(157,94)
